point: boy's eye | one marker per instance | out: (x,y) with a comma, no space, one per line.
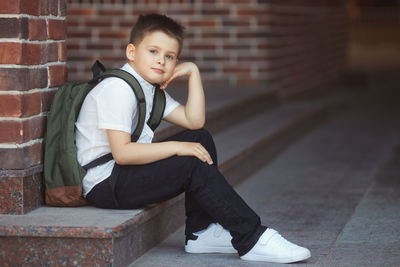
(153,51)
(169,57)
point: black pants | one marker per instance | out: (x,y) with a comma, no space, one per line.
(209,198)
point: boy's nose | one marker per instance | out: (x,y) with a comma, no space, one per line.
(161,60)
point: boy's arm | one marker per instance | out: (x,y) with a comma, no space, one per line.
(125,152)
(192,115)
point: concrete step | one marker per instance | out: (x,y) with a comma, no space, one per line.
(90,236)
(224,109)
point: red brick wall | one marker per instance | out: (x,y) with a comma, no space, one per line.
(32,64)
(288,45)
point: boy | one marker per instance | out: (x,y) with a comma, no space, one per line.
(144,172)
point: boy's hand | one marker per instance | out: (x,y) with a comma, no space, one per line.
(193,149)
(183,69)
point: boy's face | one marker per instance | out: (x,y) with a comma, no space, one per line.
(155,57)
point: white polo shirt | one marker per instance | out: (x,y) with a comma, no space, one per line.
(112,104)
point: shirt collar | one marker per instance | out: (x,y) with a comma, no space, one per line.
(143,83)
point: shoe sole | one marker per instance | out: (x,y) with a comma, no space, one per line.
(208,249)
(258,257)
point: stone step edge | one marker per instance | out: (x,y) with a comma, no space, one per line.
(88,231)
(148,213)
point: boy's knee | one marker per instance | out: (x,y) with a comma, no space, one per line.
(206,176)
(198,132)
(190,167)
(206,140)
(188,163)
(202,134)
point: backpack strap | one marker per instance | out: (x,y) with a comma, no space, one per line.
(137,89)
(103,159)
(157,111)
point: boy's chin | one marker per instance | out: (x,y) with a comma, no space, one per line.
(156,81)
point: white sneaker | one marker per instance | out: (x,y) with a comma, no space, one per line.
(272,247)
(214,239)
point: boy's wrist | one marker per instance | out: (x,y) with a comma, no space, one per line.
(173,147)
(193,70)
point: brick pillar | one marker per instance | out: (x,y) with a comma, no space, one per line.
(32,64)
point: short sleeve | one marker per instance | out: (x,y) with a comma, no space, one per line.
(170,104)
(116,105)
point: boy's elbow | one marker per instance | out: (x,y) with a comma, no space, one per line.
(120,162)
(119,159)
(196,125)
(124,158)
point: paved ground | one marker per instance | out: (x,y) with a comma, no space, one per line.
(335,191)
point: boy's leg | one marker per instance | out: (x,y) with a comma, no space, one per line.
(196,218)
(270,246)
(210,198)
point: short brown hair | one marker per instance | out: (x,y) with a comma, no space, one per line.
(156,22)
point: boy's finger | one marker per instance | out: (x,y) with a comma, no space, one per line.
(204,156)
(164,84)
(208,158)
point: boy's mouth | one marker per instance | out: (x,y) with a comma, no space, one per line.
(159,71)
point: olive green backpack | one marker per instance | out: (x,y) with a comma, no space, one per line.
(62,173)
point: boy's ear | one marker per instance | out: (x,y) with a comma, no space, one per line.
(130,52)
